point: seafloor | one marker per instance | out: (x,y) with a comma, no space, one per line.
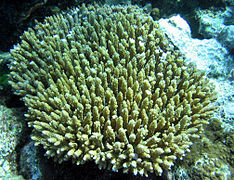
(202,26)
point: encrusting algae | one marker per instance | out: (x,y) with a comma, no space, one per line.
(104,84)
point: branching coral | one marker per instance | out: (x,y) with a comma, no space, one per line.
(104,84)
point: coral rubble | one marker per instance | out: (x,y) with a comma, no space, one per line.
(11,126)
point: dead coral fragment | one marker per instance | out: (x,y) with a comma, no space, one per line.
(103,84)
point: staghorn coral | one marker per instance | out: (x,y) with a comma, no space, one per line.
(104,84)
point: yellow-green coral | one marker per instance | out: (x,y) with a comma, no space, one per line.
(104,84)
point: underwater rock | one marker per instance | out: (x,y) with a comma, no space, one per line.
(226,37)
(217,25)
(10,129)
(29,165)
(207,54)
(116,2)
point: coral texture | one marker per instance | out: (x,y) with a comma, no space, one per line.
(104,84)
(11,126)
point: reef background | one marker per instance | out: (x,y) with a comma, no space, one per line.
(210,158)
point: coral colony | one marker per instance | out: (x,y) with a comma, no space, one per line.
(104,84)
